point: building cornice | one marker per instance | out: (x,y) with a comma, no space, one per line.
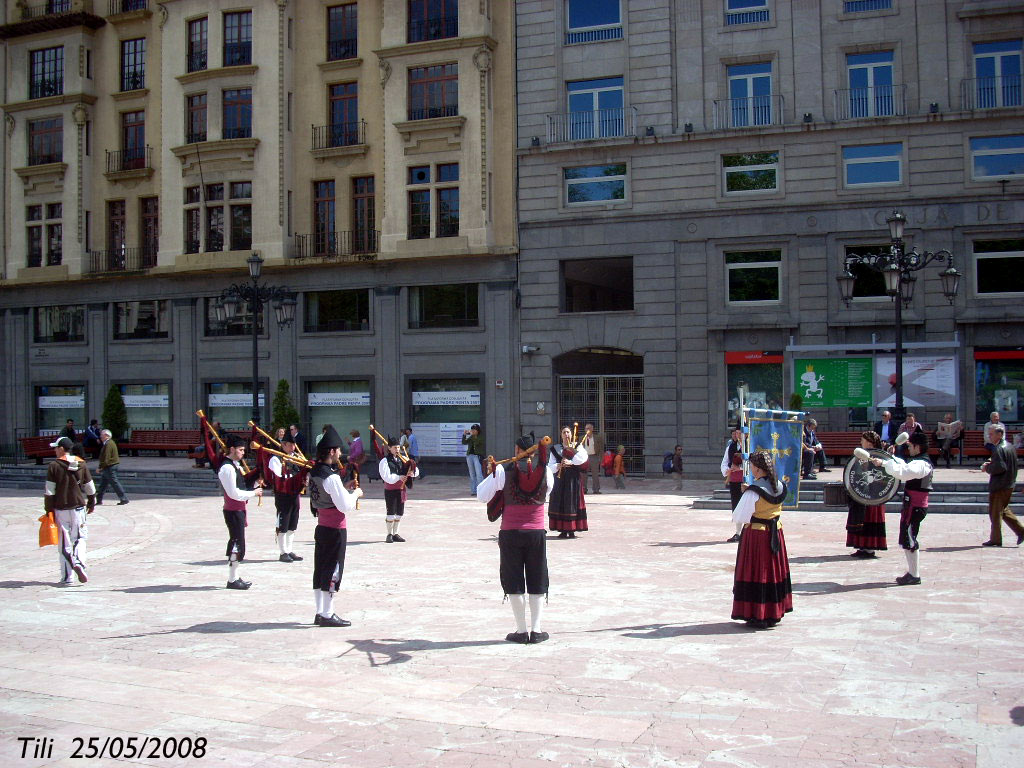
(49,101)
(435,46)
(215,73)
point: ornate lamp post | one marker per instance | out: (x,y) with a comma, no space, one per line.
(897,267)
(255,296)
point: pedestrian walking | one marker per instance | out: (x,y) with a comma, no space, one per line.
(70,495)
(1002,477)
(109,459)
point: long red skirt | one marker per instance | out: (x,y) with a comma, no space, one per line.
(871,535)
(761,589)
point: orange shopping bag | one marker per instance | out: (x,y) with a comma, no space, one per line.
(47,530)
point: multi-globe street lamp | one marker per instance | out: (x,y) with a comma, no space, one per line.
(256,295)
(897,266)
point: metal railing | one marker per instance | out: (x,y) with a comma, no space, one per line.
(432,29)
(425,113)
(238,132)
(596,124)
(121,260)
(237,54)
(355,245)
(195,138)
(342,48)
(129,159)
(126,6)
(43,158)
(594,35)
(133,79)
(197,61)
(880,101)
(746,17)
(751,111)
(339,135)
(52,8)
(857,6)
(991,92)
(41,87)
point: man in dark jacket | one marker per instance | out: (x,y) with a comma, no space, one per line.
(1002,471)
(109,459)
(70,495)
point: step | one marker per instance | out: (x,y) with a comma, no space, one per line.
(953,507)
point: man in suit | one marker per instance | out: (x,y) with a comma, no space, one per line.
(297,437)
(1002,472)
(885,429)
(594,446)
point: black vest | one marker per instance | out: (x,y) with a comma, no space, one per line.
(923,483)
(319,498)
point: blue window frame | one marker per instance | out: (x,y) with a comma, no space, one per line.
(595,108)
(750,94)
(873,164)
(997,157)
(997,69)
(870,77)
(589,21)
(746,11)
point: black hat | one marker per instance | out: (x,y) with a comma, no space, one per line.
(331,439)
(63,442)
(392,441)
(920,439)
(526,442)
(233,441)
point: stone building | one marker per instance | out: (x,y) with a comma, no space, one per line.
(693,175)
(365,150)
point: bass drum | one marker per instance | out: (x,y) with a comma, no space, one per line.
(868,484)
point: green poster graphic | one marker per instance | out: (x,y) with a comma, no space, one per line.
(831,383)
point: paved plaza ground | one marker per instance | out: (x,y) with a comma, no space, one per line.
(643,669)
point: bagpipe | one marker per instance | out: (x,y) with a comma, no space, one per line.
(381,450)
(574,444)
(527,481)
(251,476)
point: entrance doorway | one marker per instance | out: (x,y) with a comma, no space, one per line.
(605,387)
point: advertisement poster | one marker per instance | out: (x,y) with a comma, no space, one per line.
(440,439)
(833,383)
(926,381)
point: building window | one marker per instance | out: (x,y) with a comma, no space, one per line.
(419,214)
(597,285)
(859,6)
(46,141)
(231,402)
(873,164)
(116,226)
(870,283)
(133,140)
(364,216)
(448,212)
(746,11)
(46,72)
(433,20)
(337,311)
(195,118)
(215,228)
(342,22)
(198,37)
(192,230)
(237,38)
(750,94)
(148,405)
(240,325)
(753,276)
(998,267)
(997,69)
(344,403)
(997,157)
(444,306)
(750,172)
(595,108)
(133,64)
(433,91)
(34,235)
(324,217)
(142,319)
(421,196)
(36,226)
(57,324)
(238,113)
(595,184)
(241,217)
(871,88)
(149,221)
(343,100)
(589,21)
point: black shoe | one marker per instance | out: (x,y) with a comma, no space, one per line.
(563,535)
(906,579)
(991,544)
(810,476)
(285,557)
(99,502)
(397,538)
(1020,539)
(518,637)
(334,620)
(538,637)
(863,553)
(295,558)
(122,502)
(389,539)
(733,539)
(239,584)
(824,469)
(572,534)
(317,618)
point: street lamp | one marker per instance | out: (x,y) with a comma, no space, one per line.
(897,267)
(229,305)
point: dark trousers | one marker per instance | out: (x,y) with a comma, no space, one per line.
(999,512)
(108,476)
(393,504)
(235,521)
(328,556)
(524,562)
(910,525)
(735,491)
(287,505)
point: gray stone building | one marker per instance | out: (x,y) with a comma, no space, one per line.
(693,174)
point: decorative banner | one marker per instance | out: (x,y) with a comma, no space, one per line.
(436,439)
(833,382)
(446,398)
(234,400)
(926,381)
(61,401)
(334,399)
(148,401)
(783,439)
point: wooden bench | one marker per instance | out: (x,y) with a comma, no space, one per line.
(839,445)
(37,448)
(161,440)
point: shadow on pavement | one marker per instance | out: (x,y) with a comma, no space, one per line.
(155,589)
(661,631)
(400,651)
(689,543)
(219,627)
(833,588)
(20,584)
(1017,715)
(951,549)
(822,559)
(224,560)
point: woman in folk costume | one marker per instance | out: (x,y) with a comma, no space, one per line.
(397,476)
(762,592)
(865,524)
(517,497)
(567,508)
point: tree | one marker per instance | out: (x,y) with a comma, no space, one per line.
(796,402)
(284,411)
(115,415)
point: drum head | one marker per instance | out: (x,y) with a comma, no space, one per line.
(868,484)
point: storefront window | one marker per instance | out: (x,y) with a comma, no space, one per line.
(148,405)
(999,385)
(345,405)
(230,403)
(762,373)
(55,404)
(442,409)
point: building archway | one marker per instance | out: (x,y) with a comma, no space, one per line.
(604,386)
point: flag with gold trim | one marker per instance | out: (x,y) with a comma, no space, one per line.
(781,434)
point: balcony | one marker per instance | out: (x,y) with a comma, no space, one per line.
(52,8)
(861,103)
(237,54)
(432,29)
(126,6)
(49,16)
(860,6)
(136,159)
(427,113)
(195,138)
(133,79)
(237,132)
(197,61)
(120,260)
(748,112)
(339,135)
(590,126)
(991,92)
(753,16)
(41,87)
(356,245)
(344,48)
(594,35)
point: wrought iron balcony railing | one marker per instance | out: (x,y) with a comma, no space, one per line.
(238,132)
(991,92)
(425,113)
(355,245)
(339,135)
(52,8)
(594,35)
(858,6)
(133,79)
(41,87)
(195,138)
(133,159)
(342,48)
(432,29)
(751,111)
(880,101)
(126,6)
(237,54)
(752,16)
(121,259)
(596,124)
(197,61)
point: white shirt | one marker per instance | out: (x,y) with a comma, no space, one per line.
(745,508)
(390,477)
(907,470)
(494,483)
(580,458)
(343,498)
(725,459)
(227,476)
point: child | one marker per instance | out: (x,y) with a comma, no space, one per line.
(619,467)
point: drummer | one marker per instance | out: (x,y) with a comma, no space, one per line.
(865,523)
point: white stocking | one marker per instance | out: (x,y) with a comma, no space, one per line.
(536,609)
(518,603)
(318,598)
(327,608)
(395,524)
(912,562)
(739,528)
